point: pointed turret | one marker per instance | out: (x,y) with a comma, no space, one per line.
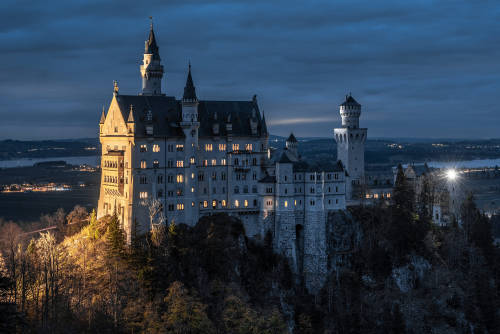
(189,89)
(151,68)
(103,117)
(264,125)
(130,118)
(151,47)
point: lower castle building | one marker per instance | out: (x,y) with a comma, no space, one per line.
(200,157)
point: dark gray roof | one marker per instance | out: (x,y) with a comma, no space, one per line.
(151,46)
(284,158)
(167,111)
(268,179)
(292,138)
(189,89)
(350,101)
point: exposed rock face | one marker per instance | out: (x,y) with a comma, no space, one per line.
(407,276)
(343,238)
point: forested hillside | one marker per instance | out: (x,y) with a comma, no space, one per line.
(404,276)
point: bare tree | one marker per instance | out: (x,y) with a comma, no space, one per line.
(156,220)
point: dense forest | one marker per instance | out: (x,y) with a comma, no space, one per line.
(404,276)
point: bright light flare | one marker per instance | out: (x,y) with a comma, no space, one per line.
(451,174)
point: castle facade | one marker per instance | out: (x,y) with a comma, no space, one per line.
(201,157)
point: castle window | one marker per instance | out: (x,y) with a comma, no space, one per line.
(201,176)
(269,190)
(329,190)
(156,148)
(160,179)
(223,162)
(312,190)
(336,189)
(156,164)
(254,189)
(254,176)
(143,179)
(236,147)
(192,189)
(170,193)
(192,204)
(160,193)
(336,201)
(205,191)
(143,194)
(179,147)
(180,163)
(286,191)
(329,176)
(116,129)
(236,162)
(311,177)
(170,179)
(223,203)
(180,178)
(214,190)
(205,204)
(295,202)
(191,160)
(180,206)
(286,204)
(170,207)
(214,175)
(170,148)
(236,203)
(248,147)
(205,163)
(192,176)
(238,177)
(245,189)
(285,178)
(269,203)
(223,176)
(143,163)
(143,148)
(236,190)
(336,176)
(245,203)
(214,162)
(223,190)
(254,161)
(208,147)
(214,204)
(222,147)
(312,203)
(179,192)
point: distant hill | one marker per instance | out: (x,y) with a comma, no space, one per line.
(18,149)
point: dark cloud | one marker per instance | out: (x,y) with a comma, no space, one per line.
(420,68)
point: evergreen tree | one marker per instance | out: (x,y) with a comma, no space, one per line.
(115,237)
(404,196)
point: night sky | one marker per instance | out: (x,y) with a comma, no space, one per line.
(419,68)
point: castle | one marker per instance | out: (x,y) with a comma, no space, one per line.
(200,157)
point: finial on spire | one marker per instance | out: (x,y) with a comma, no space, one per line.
(151,24)
(115,87)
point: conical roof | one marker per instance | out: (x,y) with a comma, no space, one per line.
(103,117)
(291,138)
(350,101)
(151,46)
(189,89)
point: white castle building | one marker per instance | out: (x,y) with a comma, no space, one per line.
(201,157)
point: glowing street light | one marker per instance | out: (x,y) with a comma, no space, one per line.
(451,174)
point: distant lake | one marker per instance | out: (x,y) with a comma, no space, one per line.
(91,160)
(465,164)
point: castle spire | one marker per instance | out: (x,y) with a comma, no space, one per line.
(103,116)
(189,89)
(264,125)
(151,68)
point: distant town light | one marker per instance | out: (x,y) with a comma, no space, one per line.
(451,174)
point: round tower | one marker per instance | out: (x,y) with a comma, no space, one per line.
(350,110)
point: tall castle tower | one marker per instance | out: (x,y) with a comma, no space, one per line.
(350,140)
(151,69)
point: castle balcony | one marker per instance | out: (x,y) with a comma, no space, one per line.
(112,164)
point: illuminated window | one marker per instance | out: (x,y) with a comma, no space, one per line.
(223,162)
(286,204)
(214,162)
(205,163)
(179,147)
(191,160)
(180,163)
(222,147)
(214,204)
(375,196)
(223,202)
(236,203)
(143,148)
(245,203)
(367,195)
(156,164)
(143,194)
(236,147)
(192,189)
(180,178)
(156,148)
(192,204)
(180,206)
(295,202)
(388,195)
(248,147)
(143,163)
(192,175)
(205,204)
(208,147)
